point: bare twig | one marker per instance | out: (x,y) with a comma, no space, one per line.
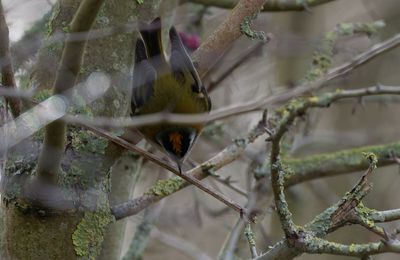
(223,158)
(296,236)
(295,110)
(336,216)
(12,92)
(187,177)
(180,244)
(244,56)
(373,52)
(279,98)
(143,231)
(230,244)
(269,6)
(225,181)
(228,183)
(106,122)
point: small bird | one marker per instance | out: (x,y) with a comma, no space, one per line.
(173,86)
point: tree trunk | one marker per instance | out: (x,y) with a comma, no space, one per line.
(31,232)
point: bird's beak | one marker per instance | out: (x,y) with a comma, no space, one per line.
(179,164)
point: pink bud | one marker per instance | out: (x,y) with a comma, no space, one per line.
(191,41)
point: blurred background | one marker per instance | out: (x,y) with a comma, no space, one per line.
(193,225)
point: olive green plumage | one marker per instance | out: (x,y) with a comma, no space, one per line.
(173,86)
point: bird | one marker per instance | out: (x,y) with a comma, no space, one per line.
(173,85)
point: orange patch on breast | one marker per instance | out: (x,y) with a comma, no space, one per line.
(176,140)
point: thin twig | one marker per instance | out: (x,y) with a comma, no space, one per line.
(223,158)
(225,181)
(151,157)
(15,93)
(345,208)
(143,231)
(123,122)
(287,119)
(335,216)
(241,108)
(180,244)
(225,112)
(249,234)
(244,56)
(229,184)
(269,6)
(227,251)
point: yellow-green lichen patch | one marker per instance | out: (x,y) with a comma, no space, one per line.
(89,234)
(86,141)
(167,187)
(214,130)
(209,169)
(245,28)
(370,28)
(55,12)
(42,95)
(366,213)
(371,157)
(322,59)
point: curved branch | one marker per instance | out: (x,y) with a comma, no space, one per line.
(303,240)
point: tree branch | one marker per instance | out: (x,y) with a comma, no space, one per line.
(180,245)
(247,107)
(70,64)
(244,56)
(167,187)
(182,177)
(302,239)
(142,233)
(386,215)
(288,115)
(332,164)
(227,32)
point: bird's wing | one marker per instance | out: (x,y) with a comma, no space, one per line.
(182,65)
(144,76)
(151,34)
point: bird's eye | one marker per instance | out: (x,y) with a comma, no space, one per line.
(180,77)
(194,87)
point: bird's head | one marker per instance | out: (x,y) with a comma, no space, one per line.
(177,142)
